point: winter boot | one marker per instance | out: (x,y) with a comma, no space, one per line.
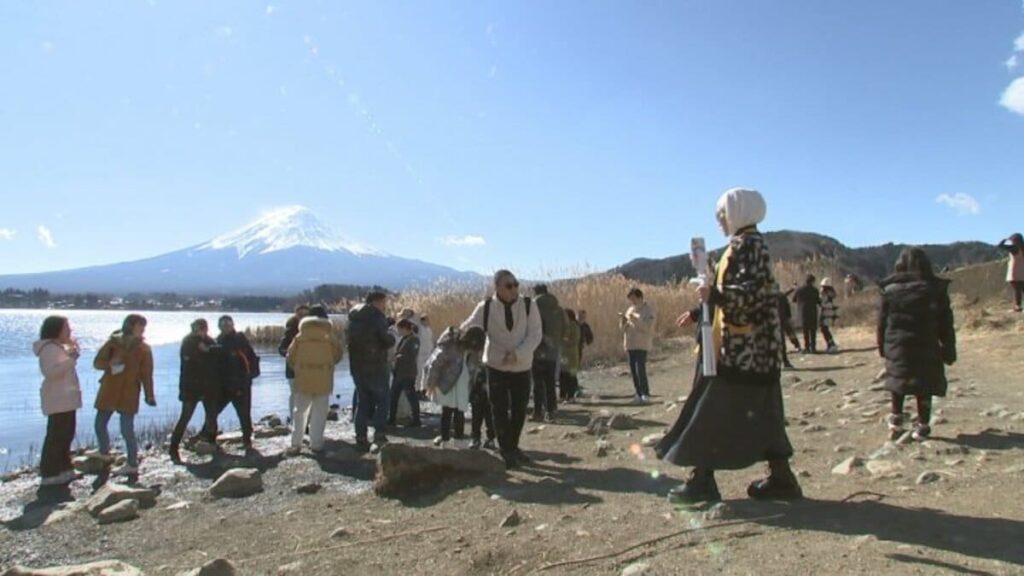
(701,487)
(780,484)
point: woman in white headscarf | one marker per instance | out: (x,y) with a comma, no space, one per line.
(736,419)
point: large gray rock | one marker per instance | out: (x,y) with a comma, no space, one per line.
(123,511)
(103,568)
(237,483)
(111,494)
(403,469)
(93,463)
(218,567)
(605,420)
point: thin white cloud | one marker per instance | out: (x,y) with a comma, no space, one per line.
(45,236)
(1012,62)
(964,204)
(1018,44)
(7,234)
(467,240)
(1013,97)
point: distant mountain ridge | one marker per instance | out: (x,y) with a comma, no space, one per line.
(282,253)
(869,263)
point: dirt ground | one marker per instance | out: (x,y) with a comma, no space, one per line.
(575,505)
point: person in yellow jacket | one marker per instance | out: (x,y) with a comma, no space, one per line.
(313,354)
(127,364)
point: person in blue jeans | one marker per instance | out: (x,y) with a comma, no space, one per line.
(127,364)
(637,325)
(369,341)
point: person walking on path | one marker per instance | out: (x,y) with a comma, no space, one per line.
(829,314)
(735,419)
(239,366)
(197,382)
(1014,246)
(586,332)
(786,319)
(548,355)
(916,337)
(61,397)
(637,324)
(808,300)
(568,384)
(369,342)
(313,354)
(403,380)
(127,364)
(291,330)
(513,333)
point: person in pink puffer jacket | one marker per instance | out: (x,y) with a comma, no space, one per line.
(61,397)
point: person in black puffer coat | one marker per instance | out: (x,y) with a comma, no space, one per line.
(916,337)
(198,382)
(369,341)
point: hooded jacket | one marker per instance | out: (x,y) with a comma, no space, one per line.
(369,341)
(132,359)
(313,354)
(60,390)
(445,363)
(916,334)
(407,357)
(238,361)
(552,325)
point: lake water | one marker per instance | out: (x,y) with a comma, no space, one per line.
(22,424)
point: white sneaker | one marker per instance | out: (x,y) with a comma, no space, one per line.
(638,399)
(646,399)
(293,451)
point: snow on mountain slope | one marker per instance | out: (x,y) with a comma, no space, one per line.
(286,228)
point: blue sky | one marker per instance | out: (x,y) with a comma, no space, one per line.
(551,134)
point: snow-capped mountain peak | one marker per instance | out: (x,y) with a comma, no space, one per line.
(284,228)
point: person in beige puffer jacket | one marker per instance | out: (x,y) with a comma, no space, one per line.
(637,324)
(61,397)
(313,354)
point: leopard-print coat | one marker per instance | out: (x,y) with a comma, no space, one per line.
(751,334)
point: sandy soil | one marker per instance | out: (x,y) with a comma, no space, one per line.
(576,505)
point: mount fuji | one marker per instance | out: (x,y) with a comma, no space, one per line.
(282,253)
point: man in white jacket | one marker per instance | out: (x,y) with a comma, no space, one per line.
(513,327)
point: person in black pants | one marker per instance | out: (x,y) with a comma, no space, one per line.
(808,300)
(480,405)
(513,329)
(197,383)
(404,377)
(238,367)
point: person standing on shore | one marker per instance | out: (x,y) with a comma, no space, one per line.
(786,319)
(1014,246)
(239,366)
(637,324)
(546,357)
(513,333)
(403,379)
(807,301)
(369,343)
(127,364)
(291,330)
(568,383)
(450,375)
(917,338)
(197,383)
(61,397)
(735,419)
(313,354)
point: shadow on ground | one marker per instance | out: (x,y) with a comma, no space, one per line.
(989,538)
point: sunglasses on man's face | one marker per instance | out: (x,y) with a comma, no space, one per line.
(511,285)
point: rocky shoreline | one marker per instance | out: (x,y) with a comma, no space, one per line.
(592,502)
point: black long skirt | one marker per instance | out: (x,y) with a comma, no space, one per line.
(729,422)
